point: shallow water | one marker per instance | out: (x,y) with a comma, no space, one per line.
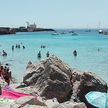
(63,45)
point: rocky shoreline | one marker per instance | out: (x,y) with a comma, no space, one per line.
(56,84)
(7,30)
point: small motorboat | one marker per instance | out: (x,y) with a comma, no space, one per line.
(55,33)
(100,31)
(73,33)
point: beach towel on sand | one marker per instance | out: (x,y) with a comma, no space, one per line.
(10,94)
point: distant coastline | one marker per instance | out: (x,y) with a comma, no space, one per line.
(8,30)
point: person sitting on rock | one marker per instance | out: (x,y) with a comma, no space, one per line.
(75,53)
(47,54)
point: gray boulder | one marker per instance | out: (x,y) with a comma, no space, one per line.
(69,104)
(30,100)
(85,82)
(51,76)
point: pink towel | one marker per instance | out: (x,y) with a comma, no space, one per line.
(13,95)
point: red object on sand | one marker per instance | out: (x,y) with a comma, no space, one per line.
(10,94)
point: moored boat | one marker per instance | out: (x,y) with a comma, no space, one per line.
(105,33)
(100,31)
(55,33)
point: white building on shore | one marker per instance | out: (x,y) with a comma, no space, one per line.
(31,27)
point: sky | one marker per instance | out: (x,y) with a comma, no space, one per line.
(54,13)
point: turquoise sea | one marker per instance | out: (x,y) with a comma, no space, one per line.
(63,45)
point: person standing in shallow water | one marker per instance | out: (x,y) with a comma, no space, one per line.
(23,47)
(75,53)
(47,54)
(12,47)
(39,54)
(4,53)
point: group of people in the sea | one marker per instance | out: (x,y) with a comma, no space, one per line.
(39,55)
(17,46)
(43,46)
(5,73)
(4,53)
(48,54)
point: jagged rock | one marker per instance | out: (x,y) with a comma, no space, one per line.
(69,104)
(6,30)
(33,106)
(30,100)
(51,76)
(50,103)
(6,105)
(54,78)
(86,82)
(76,76)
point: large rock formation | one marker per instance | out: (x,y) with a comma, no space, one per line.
(52,77)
